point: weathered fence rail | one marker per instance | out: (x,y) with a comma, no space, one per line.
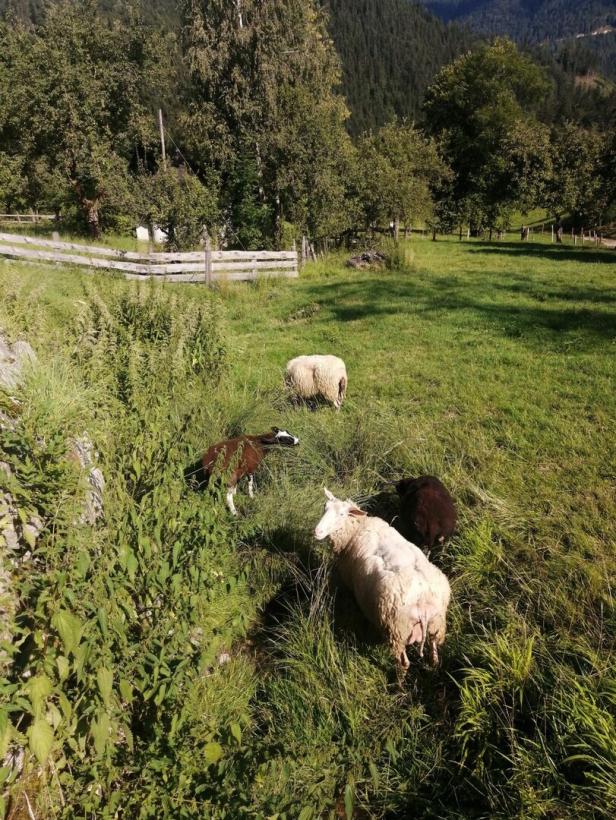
(193,266)
(26,219)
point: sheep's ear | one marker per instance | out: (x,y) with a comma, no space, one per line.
(275,429)
(355,511)
(329,495)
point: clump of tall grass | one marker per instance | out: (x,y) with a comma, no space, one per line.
(332,720)
(399,256)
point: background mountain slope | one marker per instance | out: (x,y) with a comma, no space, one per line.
(535,20)
(390,52)
(592,22)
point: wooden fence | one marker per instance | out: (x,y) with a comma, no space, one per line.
(26,219)
(195,266)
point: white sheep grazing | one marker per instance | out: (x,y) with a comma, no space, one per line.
(317,376)
(394,584)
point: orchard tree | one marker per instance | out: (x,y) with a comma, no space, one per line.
(608,170)
(179,204)
(481,107)
(78,102)
(575,184)
(398,168)
(13,183)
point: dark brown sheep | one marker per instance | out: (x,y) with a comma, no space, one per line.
(427,510)
(237,457)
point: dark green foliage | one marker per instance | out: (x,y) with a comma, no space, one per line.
(177,202)
(263,100)
(250,219)
(77,116)
(390,51)
(482,109)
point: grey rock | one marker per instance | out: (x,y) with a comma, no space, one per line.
(13,359)
(82,451)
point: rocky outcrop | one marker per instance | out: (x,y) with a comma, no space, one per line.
(82,451)
(18,532)
(13,360)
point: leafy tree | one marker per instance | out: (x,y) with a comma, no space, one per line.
(481,107)
(574,185)
(397,166)
(263,94)
(249,219)
(79,103)
(608,170)
(13,184)
(179,204)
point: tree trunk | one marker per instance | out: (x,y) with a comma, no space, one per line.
(434,234)
(90,207)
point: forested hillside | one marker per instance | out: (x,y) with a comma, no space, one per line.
(536,20)
(390,52)
(539,21)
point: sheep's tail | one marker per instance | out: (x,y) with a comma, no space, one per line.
(196,475)
(342,386)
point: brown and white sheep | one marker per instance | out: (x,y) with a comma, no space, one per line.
(239,457)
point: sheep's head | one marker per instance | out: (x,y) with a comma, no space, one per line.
(279,437)
(337,514)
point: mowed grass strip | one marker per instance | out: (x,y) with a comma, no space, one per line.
(490,365)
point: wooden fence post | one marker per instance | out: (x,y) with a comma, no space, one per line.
(208,259)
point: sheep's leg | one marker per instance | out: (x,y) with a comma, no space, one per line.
(402,665)
(251,486)
(230,493)
(434,653)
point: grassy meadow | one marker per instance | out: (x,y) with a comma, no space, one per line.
(175,662)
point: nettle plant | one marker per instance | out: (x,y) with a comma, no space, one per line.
(109,631)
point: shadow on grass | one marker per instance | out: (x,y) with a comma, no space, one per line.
(554,253)
(480,301)
(569,293)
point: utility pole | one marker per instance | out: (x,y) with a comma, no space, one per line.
(162,137)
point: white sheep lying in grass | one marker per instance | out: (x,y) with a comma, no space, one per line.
(394,584)
(317,377)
